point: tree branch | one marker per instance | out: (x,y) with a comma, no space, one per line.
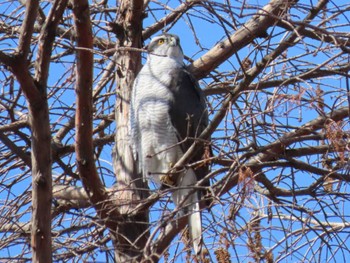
(178,12)
(16,150)
(277,148)
(258,24)
(84,147)
(46,41)
(224,185)
(25,38)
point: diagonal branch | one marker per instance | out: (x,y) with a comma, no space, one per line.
(277,148)
(178,12)
(246,34)
(249,77)
(15,149)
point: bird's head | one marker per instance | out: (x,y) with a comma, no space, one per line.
(166,45)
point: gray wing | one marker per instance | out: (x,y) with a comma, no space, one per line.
(188,113)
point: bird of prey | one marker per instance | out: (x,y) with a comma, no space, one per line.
(167,112)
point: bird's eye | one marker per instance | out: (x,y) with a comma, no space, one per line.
(161,41)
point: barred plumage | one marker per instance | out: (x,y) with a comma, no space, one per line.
(167,106)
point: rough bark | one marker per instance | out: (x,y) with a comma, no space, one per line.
(132,233)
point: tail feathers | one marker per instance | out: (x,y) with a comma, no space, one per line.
(191,206)
(195,227)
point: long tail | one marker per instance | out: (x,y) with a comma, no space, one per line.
(191,206)
(195,224)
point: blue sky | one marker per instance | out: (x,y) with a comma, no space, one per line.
(209,33)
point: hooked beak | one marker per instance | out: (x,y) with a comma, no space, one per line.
(173,42)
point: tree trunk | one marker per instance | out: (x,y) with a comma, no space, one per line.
(41,182)
(132,233)
(41,161)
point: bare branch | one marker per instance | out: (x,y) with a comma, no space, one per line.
(27,28)
(276,78)
(178,12)
(255,27)
(83,121)
(46,40)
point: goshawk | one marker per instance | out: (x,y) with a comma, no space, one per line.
(167,112)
